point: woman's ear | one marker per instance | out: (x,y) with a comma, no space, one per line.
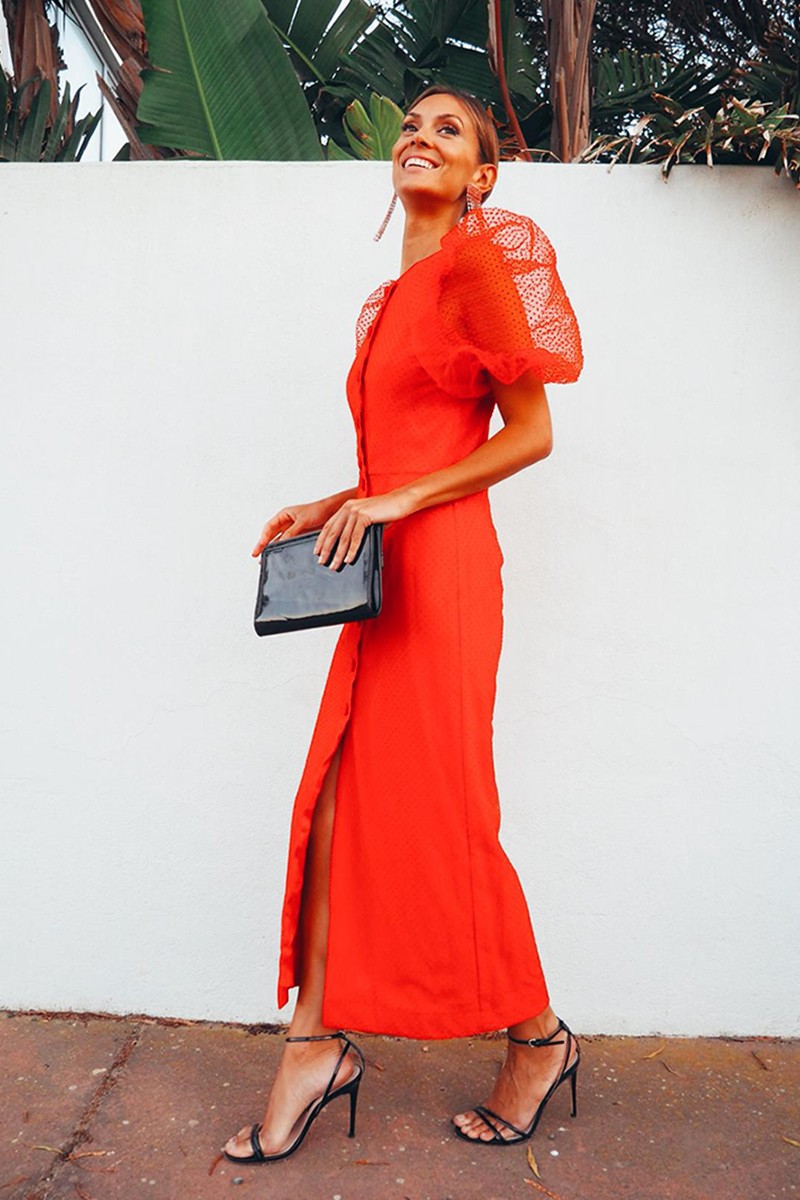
(485,177)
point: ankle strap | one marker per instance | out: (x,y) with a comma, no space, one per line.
(318,1037)
(551,1040)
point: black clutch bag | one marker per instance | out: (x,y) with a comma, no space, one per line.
(297,591)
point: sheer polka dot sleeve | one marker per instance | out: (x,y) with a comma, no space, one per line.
(503,306)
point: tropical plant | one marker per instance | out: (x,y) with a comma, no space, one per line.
(707,81)
(221,84)
(340,59)
(29,138)
(371,134)
(35,124)
(747,114)
(420,42)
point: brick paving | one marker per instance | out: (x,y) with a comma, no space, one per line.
(128,1108)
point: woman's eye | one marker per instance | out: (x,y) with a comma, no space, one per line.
(408,126)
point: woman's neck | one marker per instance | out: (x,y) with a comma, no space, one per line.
(424,231)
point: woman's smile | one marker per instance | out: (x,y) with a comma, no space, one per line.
(414,160)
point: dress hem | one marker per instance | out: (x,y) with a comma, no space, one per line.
(466,1024)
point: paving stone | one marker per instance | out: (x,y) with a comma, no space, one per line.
(702,1119)
(51,1069)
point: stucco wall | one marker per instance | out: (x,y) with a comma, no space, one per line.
(175,342)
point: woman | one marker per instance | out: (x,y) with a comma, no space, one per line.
(402,914)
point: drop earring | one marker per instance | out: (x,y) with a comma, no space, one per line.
(387,218)
(474,197)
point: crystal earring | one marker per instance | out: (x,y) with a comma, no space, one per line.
(387,218)
(474,197)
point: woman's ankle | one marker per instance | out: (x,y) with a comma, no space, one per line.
(542,1025)
(307,1022)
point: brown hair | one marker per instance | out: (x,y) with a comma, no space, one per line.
(488,143)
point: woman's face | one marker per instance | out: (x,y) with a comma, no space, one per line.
(437,154)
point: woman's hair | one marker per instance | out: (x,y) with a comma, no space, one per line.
(488,143)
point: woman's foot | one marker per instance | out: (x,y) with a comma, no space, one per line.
(303,1074)
(524,1079)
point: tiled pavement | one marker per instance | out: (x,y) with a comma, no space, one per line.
(136,1108)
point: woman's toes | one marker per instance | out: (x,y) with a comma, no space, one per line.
(468,1122)
(239,1144)
(471,1124)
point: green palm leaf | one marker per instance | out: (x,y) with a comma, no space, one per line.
(316,39)
(222,84)
(372,134)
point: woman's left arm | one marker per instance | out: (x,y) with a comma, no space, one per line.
(526,437)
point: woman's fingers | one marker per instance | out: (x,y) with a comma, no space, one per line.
(331,530)
(328,535)
(273,529)
(350,533)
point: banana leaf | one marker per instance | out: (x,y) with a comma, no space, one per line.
(221,84)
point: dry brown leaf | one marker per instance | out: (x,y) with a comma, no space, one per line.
(102,1170)
(671,1070)
(653,1053)
(86,1154)
(791,1141)
(541,1188)
(52,1149)
(532,1163)
(760,1060)
(371,1162)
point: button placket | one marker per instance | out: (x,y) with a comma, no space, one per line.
(363,472)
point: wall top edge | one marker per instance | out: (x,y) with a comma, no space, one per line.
(380,166)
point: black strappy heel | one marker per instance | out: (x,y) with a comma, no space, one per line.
(522,1135)
(315,1107)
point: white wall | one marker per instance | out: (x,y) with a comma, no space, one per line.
(176,338)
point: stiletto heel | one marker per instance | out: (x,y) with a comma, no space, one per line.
(522,1135)
(353,1102)
(312,1111)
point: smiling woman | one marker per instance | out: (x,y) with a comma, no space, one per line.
(402,913)
(475,114)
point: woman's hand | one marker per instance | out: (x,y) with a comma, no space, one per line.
(296,519)
(349,522)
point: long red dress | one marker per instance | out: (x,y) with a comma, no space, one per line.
(430,935)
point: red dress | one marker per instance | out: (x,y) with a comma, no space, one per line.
(430,935)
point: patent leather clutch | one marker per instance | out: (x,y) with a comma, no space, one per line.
(297,591)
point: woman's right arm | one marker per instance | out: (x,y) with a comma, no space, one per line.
(301,518)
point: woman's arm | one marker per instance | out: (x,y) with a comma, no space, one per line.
(526,437)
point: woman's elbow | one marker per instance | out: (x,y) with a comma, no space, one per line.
(540,445)
(547,444)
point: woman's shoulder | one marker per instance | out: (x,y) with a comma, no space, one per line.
(490,236)
(502,301)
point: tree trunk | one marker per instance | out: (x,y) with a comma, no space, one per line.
(568,29)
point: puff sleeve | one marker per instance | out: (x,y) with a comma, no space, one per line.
(502,308)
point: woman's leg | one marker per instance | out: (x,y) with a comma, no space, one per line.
(524,1077)
(305,1067)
